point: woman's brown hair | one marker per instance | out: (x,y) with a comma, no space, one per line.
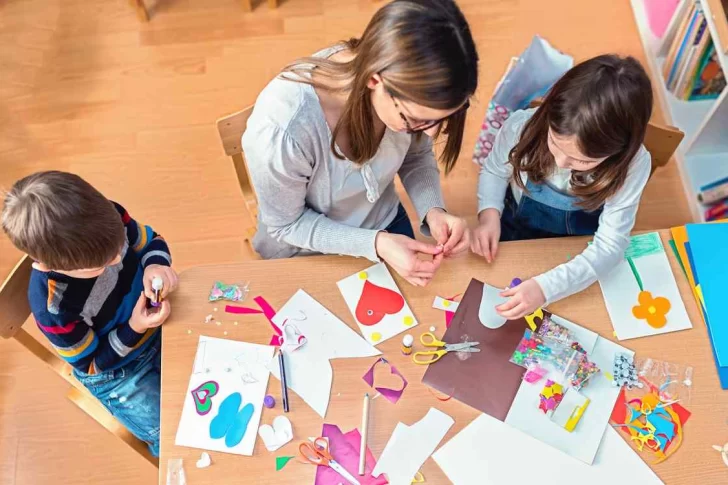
(606,103)
(424,52)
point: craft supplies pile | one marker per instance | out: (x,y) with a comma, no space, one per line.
(542,382)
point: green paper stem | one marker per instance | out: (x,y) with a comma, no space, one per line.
(635,273)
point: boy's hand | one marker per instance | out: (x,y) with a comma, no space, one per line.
(525,299)
(165,273)
(143,318)
(487,234)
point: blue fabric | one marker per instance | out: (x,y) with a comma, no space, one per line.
(401,224)
(545,212)
(131,393)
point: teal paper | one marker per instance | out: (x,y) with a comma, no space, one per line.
(644,245)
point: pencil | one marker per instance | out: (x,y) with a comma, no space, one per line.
(284,385)
(364,435)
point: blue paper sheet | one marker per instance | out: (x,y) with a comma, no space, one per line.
(710,266)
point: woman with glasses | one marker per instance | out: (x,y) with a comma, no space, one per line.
(328,136)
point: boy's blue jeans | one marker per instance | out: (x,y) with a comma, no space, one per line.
(131,393)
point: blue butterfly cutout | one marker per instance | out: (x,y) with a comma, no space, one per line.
(231,422)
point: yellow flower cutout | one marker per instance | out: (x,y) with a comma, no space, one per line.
(653,310)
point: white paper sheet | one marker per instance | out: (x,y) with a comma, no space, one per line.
(584,441)
(620,290)
(444,304)
(376,303)
(488,451)
(236,367)
(308,371)
(491,298)
(409,447)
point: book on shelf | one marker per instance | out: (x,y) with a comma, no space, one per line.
(691,70)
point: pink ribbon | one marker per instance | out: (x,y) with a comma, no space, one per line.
(266,310)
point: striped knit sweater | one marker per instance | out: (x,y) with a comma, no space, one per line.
(87,320)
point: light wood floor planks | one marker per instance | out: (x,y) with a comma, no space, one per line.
(131,107)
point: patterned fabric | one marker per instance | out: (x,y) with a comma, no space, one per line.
(87,319)
(494,119)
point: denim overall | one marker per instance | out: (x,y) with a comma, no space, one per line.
(544,212)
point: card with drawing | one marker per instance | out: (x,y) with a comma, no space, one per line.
(377,304)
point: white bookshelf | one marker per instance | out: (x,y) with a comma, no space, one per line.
(702,157)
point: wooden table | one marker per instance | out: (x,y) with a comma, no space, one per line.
(695,462)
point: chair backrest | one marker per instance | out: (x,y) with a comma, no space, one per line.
(231,129)
(662,141)
(14,306)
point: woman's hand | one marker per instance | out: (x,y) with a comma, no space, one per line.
(401,253)
(450,232)
(487,234)
(525,299)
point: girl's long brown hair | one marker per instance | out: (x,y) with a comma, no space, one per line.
(424,52)
(606,102)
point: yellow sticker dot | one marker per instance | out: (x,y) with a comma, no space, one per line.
(189,332)
(609,376)
(376,337)
(408,320)
(363,275)
(445,303)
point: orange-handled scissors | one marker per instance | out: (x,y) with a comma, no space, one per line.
(317,453)
(429,356)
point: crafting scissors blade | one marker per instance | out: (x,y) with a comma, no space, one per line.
(343,472)
(462,347)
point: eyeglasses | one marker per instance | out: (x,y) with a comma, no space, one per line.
(423,125)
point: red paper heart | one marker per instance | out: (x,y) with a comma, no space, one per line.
(376,302)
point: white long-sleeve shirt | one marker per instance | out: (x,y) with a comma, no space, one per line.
(615,222)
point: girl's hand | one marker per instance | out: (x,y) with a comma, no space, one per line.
(401,253)
(487,234)
(450,232)
(525,299)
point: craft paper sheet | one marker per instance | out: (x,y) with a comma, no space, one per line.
(222,369)
(620,290)
(409,447)
(488,315)
(488,451)
(308,371)
(376,303)
(583,442)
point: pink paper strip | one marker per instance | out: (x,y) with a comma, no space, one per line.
(265,309)
(448,314)
(392,395)
(345,450)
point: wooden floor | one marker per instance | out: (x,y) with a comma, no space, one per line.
(131,107)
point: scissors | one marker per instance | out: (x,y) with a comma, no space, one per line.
(317,453)
(429,356)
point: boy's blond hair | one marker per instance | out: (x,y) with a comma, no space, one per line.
(59,219)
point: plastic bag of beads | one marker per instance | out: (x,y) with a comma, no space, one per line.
(234,292)
(550,330)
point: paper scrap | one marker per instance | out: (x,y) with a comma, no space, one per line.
(470,458)
(491,298)
(392,395)
(377,304)
(308,370)
(282,461)
(224,398)
(445,304)
(278,434)
(570,410)
(204,460)
(409,447)
(723,452)
(344,447)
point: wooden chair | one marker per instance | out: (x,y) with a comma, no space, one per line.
(14,311)
(231,129)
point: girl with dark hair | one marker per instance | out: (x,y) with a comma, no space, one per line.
(574,166)
(328,136)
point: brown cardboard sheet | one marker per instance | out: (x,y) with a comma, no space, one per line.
(486,380)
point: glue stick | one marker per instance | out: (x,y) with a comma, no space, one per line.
(407,342)
(157,285)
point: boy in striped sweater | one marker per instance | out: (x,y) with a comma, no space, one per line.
(88,291)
